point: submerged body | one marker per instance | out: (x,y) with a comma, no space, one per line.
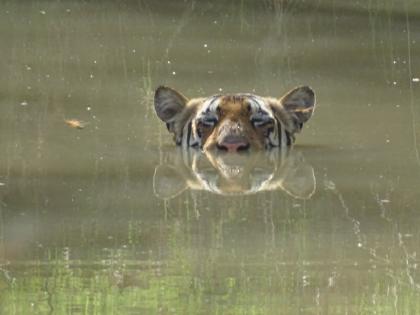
(235,122)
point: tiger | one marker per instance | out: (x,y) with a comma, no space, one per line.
(234,122)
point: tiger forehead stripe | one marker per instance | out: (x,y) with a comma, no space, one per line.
(258,105)
(210,105)
(234,98)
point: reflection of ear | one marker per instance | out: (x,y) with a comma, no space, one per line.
(299,181)
(167,182)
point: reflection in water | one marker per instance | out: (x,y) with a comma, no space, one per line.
(234,174)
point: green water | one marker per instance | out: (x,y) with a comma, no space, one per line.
(113,219)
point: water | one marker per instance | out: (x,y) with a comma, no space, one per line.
(113,219)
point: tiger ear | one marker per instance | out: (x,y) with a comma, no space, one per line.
(299,104)
(169,104)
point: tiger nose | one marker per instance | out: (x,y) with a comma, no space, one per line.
(233,144)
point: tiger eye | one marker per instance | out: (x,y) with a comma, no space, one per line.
(203,128)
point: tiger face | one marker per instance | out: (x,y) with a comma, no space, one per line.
(234,122)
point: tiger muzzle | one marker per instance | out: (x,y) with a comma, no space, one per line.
(231,138)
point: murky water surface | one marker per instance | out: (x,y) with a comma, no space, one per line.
(111,218)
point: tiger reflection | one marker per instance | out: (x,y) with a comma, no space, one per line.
(234,174)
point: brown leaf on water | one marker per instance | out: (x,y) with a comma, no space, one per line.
(75,123)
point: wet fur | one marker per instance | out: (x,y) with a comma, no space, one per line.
(212,122)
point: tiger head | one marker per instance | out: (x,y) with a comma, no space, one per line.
(234,122)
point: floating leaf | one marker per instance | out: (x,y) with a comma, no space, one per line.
(75,123)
